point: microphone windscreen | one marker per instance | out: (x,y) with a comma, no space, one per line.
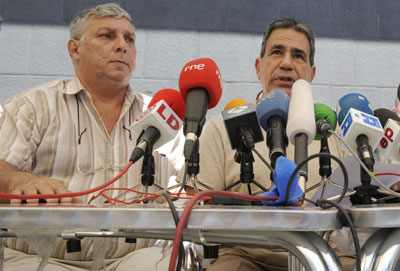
(384,115)
(235,103)
(281,176)
(274,103)
(301,112)
(173,98)
(322,111)
(202,73)
(352,100)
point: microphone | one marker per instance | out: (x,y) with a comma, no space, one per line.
(235,103)
(241,123)
(201,88)
(301,128)
(159,123)
(362,132)
(272,110)
(389,145)
(358,127)
(325,121)
(352,100)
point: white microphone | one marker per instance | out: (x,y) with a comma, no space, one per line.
(301,128)
(362,132)
(159,123)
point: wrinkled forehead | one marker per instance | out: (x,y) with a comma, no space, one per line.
(290,39)
(114,24)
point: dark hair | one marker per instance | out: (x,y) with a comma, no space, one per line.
(292,24)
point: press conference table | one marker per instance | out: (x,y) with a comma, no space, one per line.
(292,228)
(382,250)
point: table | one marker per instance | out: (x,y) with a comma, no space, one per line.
(292,228)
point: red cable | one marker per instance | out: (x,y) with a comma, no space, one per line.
(188,208)
(387,173)
(67,195)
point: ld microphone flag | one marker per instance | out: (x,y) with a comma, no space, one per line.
(162,117)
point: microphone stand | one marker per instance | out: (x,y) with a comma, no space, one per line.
(194,169)
(300,153)
(245,158)
(365,191)
(325,170)
(148,169)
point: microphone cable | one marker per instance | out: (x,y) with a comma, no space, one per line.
(371,174)
(325,204)
(328,155)
(262,159)
(183,183)
(188,208)
(176,220)
(67,195)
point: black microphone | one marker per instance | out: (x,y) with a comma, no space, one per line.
(325,120)
(241,123)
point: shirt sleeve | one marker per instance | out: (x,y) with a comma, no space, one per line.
(19,133)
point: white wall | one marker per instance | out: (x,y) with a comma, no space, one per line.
(33,54)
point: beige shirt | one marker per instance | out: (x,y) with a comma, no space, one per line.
(54,131)
(218,170)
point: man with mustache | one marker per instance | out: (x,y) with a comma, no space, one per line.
(287,54)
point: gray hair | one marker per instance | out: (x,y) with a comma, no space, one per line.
(78,24)
(290,23)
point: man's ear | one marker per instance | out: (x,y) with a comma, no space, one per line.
(73,49)
(257,67)
(313,72)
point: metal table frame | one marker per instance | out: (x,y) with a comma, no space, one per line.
(382,249)
(292,228)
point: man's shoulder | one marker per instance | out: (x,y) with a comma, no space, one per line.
(51,87)
(40,92)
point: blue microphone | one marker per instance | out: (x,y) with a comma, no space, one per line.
(272,111)
(352,100)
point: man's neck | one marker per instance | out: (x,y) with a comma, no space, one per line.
(108,99)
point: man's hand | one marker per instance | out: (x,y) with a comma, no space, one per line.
(37,185)
(395,186)
(15,181)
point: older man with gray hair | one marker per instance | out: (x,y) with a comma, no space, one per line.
(73,135)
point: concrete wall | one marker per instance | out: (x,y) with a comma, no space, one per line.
(31,54)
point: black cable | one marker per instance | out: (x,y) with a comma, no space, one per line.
(324,205)
(299,166)
(176,220)
(262,159)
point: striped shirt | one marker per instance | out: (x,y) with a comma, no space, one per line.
(54,131)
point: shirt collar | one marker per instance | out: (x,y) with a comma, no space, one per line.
(75,86)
